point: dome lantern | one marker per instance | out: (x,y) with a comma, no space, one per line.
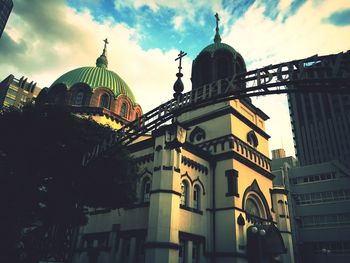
(102,61)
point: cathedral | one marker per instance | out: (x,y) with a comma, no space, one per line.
(204,189)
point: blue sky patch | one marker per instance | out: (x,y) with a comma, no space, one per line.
(340,18)
(156,28)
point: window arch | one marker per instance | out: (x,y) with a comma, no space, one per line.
(124,110)
(79,98)
(184,193)
(146,189)
(254,206)
(104,101)
(196,197)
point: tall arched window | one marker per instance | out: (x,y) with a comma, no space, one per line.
(184,193)
(146,189)
(124,110)
(104,101)
(79,98)
(196,197)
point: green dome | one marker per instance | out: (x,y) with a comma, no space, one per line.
(212,48)
(97,77)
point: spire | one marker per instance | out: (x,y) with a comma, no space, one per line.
(102,61)
(217,38)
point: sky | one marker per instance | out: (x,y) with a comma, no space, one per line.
(44,39)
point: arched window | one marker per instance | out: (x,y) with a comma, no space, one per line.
(196,197)
(124,110)
(79,98)
(104,101)
(252,207)
(184,193)
(146,189)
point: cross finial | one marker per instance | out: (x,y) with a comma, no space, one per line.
(178,85)
(179,57)
(217,21)
(106,42)
(217,38)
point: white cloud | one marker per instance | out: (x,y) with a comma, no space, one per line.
(178,22)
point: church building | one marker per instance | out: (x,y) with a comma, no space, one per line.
(204,188)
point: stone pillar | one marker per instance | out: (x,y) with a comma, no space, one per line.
(280,204)
(162,241)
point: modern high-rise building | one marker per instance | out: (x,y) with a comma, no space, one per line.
(321,127)
(16,92)
(5,10)
(319,208)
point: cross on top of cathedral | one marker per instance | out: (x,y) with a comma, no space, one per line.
(106,42)
(217,21)
(217,38)
(178,85)
(179,57)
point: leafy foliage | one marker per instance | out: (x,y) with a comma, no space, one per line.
(42,181)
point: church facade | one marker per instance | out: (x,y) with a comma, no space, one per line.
(204,188)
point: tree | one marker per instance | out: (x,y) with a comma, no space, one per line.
(44,187)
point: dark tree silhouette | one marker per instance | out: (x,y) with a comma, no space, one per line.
(44,190)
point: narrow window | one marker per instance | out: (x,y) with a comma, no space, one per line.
(104,101)
(79,98)
(124,110)
(146,189)
(232,183)
(196,197)
(184,193)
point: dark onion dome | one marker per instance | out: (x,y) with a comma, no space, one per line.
(216,61)
(97,77)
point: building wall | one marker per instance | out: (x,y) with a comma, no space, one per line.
(320,196)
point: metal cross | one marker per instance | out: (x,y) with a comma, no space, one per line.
(217,20)
(106,41)
(179,57)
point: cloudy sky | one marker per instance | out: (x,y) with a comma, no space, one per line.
(44,39)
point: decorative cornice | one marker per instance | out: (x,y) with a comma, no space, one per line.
(194,165)
(247,162)
(240,147)
(144,159)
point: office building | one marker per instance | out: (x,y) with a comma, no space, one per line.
(5,10)
(16,92)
